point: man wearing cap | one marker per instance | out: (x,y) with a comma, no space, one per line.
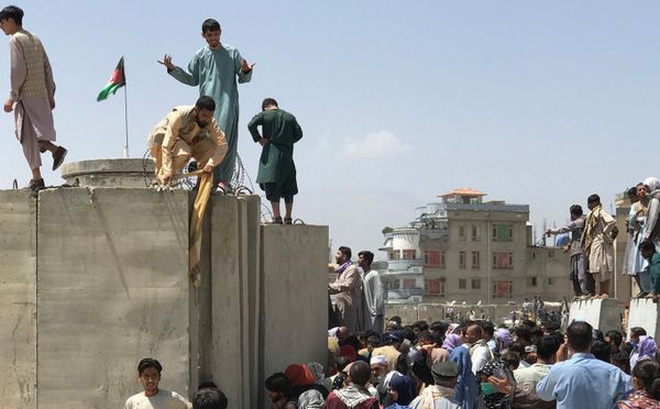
(440,395)
(381,375)
(31,96)
(395,358)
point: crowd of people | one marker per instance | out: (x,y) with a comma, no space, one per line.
(473,364)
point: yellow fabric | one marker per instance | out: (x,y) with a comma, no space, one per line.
(196,220)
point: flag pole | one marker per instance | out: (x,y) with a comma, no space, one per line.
(126,154)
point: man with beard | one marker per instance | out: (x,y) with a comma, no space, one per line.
(598,244)
(347,289)
(381,376)
(187,131)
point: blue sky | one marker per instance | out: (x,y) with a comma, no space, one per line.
(539,103)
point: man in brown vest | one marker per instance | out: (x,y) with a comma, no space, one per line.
(32,95)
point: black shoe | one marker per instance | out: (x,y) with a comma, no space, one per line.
(36,184)
(275,220)
(58,157)
(641,294)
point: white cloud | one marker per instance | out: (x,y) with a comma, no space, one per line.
(379,144)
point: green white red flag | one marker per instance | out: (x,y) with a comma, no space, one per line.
(116,81)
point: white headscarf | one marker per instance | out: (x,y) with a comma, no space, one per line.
(652,182)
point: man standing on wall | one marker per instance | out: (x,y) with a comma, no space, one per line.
(277,172)
(598,244)
(32,95)
(348,291)
(373,293)
(583,282)
(215,69)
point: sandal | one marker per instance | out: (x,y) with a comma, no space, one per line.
(275,220)
(288,220)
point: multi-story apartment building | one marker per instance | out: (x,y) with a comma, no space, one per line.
(465,249)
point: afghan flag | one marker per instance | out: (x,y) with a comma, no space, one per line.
(116,81)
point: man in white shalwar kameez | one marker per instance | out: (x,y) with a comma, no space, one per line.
(32,95)
(374,298)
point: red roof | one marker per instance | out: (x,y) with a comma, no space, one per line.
(463,191)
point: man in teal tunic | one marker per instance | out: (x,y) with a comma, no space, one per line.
(215,69)
(277,172)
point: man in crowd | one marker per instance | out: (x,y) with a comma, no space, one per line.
(187,131)
(374,294)
(355,395)
(209,398)
(392,351)
(441,394)
(618,358)
(215,69)
(348,290)
(583,283)
(583,381)
(527,378)
(381,376)
(149,371)
(277,172)
(598,244)
(480,353)
(31,96)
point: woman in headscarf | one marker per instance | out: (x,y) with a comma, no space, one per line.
(502,340)
(316,368)
(402,391)
(442,354)
(646,348)
(304,389)
(467,389)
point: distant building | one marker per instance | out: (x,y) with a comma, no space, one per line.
(465,249)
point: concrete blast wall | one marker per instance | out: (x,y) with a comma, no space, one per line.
(93,280)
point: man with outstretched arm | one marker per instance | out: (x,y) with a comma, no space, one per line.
(216,69)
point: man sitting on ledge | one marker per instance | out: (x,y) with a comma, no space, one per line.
(187,131)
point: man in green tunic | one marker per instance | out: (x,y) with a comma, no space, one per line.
(277,172)
(215,69)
